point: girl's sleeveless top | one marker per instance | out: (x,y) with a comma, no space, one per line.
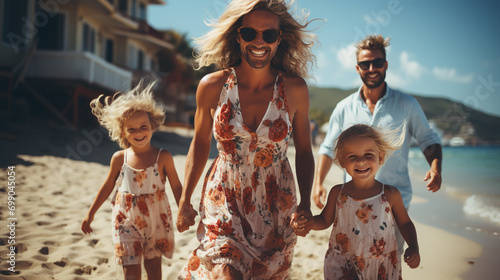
(363,240)
(140,204)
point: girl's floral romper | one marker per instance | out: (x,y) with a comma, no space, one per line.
(363,240)
(249,193)
(141,216)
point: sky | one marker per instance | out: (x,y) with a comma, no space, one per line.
(444,48)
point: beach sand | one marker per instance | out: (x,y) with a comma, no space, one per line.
(58,173)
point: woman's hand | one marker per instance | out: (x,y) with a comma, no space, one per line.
(185,217)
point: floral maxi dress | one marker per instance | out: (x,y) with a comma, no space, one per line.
(363,240)
(248,194)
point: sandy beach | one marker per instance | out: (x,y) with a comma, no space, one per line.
(58,172)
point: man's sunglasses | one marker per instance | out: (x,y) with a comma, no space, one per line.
(249,34)
(377,63)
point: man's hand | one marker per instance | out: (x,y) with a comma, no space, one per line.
(434,178)
(319,195)
(412,257)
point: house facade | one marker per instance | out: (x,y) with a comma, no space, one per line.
(78,48)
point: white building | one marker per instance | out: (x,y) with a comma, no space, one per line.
(76,49)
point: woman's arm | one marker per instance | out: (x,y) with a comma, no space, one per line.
(207,97)
(298,97)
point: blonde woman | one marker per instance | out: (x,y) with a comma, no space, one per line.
(254,105)
(142,223)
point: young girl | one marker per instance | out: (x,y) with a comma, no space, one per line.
(141,218)
(364,213)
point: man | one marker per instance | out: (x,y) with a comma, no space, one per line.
(376,104)
(249,193)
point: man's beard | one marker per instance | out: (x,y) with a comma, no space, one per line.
(374,83)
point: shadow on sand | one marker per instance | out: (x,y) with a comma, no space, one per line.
(38,137)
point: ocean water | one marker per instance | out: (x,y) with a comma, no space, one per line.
(470,194)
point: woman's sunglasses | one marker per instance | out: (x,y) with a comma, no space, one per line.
(377,63)
(249,34)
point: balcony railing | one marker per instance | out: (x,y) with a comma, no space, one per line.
(79,66)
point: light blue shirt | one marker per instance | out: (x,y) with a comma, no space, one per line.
(391,112)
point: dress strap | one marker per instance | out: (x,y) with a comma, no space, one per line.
(383,188)
(278,84)
(158,156)
(230,84)
(125,156)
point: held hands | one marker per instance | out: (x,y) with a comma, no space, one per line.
(185,217)
(412,257)
(302,222)
(435,180)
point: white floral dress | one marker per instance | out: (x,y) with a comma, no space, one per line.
(249,193)
(141,217)
(363,240)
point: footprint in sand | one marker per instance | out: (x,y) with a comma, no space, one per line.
(44,250)
(62,263)
(87,269)
(51,214)
(102,260)
(93,242)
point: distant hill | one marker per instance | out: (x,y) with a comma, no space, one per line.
(452,118)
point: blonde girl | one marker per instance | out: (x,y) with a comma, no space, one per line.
(142,224)
(364,213)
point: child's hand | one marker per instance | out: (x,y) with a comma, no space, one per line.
(298,223)
(86,224)
(412,257)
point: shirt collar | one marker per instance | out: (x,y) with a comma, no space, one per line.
(388,91)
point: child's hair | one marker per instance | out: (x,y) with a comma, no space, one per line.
(387,141)
(113,111)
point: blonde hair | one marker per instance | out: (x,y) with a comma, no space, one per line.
(386,141)
(220,46)
(112,112)
(373,42)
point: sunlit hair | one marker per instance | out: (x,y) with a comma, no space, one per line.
(112,112)
(373,42)
(220,45)
(387,141)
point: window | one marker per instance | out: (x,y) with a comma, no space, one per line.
(140,60)
(14,27)
(142,11)
(52,34)
(88,38)
(132,57)
(134,9)
(108,50)
(123,6)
